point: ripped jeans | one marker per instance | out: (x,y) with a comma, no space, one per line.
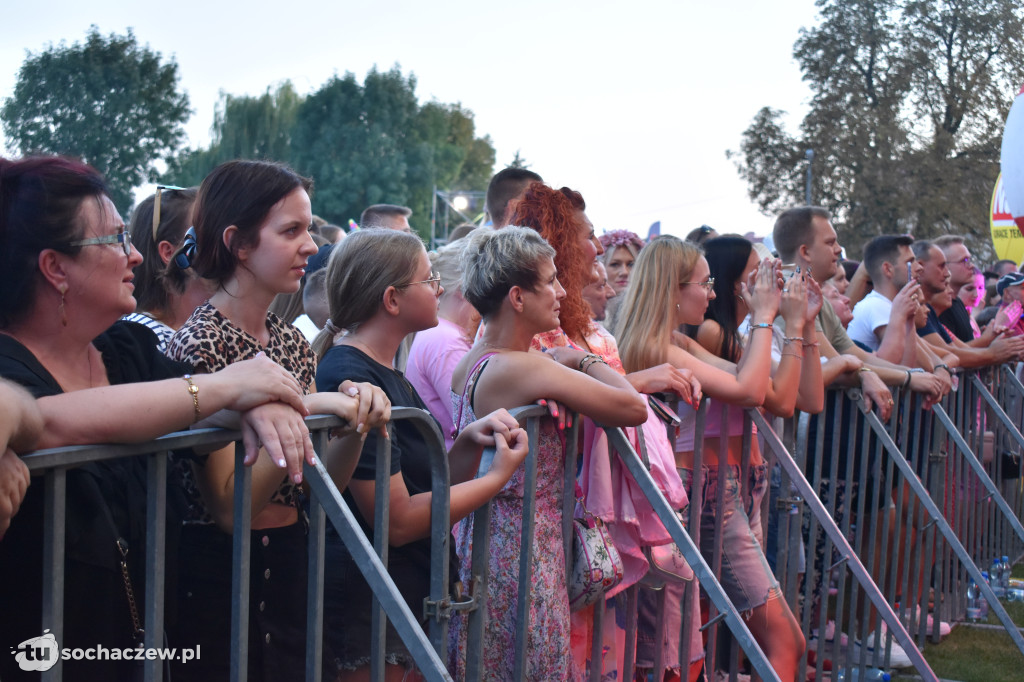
(744,574)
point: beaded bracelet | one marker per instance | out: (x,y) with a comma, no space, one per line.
(761,325)
(810,345)
(593,361)
(583,360)
(791,339)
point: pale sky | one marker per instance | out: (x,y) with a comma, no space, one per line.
(632,103)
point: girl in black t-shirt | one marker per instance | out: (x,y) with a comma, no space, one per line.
(381,289)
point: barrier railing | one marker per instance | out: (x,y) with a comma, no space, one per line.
(903,495)
(635,466)
(326,503)
(949,514)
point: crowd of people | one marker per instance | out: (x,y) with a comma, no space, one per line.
(230,305)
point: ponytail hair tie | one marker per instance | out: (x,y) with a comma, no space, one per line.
(330,326)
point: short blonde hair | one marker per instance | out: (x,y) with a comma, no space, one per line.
(494,261)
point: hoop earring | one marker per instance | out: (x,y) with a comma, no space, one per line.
(60,308)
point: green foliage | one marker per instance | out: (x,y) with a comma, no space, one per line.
(108,101)
(243,128)
(909,98)
(362,143)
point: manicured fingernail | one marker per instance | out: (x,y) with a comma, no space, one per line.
(280,462)
(798,269)
(297,478)
(361,428)
(353,391)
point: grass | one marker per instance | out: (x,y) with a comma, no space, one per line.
(976,654)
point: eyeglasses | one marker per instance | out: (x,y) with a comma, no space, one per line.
(121,237)
(156,205)
(965,261)
(708,284)
(434,282)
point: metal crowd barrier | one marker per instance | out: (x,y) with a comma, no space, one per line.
(634,464)
(918,500)
(960,510)
(326,503)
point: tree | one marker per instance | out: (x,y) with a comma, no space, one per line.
(374,143)
(108,101)
(351,139)
(243,128)
(362,143)
(908,100)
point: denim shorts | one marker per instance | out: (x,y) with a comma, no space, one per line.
(744,573)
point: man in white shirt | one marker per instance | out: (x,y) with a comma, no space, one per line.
(883,321)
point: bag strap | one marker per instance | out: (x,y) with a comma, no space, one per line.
(122,549)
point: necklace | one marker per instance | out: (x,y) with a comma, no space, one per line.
(485,344)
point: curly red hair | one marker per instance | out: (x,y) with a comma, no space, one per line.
(555,214)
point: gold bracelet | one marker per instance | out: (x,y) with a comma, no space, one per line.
(193,390)
(865,369)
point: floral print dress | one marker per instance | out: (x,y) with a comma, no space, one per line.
(548,653)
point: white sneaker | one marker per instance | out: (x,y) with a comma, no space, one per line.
(830,636)
(944,627)
(897,656)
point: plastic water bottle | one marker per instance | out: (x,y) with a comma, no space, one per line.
(870,675)
(973,605)
(996,573)
(1014,594)
(1005,578)
(982,602)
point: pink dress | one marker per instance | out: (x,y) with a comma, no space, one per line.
(549,657)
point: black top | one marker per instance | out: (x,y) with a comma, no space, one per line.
(408,449)
(934,326)
(958,320)
(101,497)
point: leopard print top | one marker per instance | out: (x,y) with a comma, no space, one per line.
(210,342)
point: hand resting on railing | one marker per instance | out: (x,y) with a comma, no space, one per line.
(280,430)
(409,517)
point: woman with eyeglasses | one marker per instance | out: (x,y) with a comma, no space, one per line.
(380,289)
(66,275)
(673,286)
(165,294)
(252,241)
